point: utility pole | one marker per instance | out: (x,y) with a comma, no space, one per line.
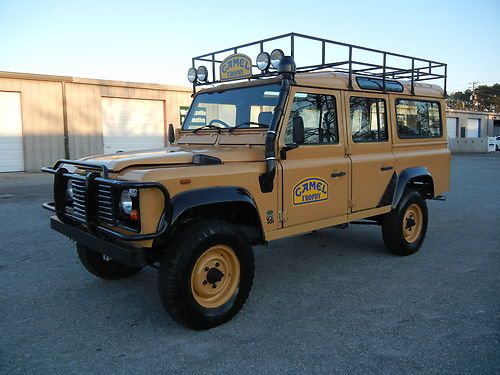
(475,102)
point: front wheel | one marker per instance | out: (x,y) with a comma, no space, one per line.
(404,228)
(206,274)
(103,267)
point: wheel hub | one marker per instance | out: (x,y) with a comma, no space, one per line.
(214,275)
(412,223)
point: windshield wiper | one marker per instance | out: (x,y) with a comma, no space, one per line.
(248,123)
(209,126)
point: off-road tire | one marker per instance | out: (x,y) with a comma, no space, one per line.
(95,263)
(393,222)
(176,273)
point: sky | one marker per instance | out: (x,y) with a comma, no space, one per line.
(154,41)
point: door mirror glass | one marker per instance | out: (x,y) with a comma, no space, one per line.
(298,130)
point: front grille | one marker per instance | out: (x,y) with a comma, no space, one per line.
(79,199)
(105,210)
(105,204)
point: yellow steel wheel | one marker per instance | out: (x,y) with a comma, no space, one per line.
(215,276)
(412,223)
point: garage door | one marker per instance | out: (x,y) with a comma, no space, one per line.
(472,128)
(132,124)
(452,124)
(11,132)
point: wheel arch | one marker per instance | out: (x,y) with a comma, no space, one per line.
(230,203)
(418,178)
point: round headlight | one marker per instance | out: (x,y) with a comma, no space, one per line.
(202,73)
(276,57)
(263,61)
(192,75)
(69,191)
(126,202)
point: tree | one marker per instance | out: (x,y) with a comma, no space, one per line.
(483,98)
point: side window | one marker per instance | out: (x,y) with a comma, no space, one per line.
(319,113)
(368,119)
(418,119)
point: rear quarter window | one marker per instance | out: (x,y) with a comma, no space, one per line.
(418,119)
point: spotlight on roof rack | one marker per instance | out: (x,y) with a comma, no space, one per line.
(287,65)
(263,61)
(202,73)
(276,57)
(192,75)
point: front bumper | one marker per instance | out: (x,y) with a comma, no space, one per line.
(96,209)
(117,250)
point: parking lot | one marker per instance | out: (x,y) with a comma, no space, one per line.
(328,302)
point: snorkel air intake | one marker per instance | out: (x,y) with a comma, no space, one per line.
(287,69)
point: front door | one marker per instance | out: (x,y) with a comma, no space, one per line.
(370,149)
(315,173)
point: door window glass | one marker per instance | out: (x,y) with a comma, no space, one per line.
(319,113)
(368,120)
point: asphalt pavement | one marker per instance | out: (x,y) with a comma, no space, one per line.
(332,302)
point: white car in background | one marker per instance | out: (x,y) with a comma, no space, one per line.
(494,143)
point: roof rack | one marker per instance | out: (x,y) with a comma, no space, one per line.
(411,68)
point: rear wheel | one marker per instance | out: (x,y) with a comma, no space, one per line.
(103,267)
(405,227)
(206,274)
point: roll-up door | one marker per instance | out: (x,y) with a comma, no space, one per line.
(11,133)
(132,124)
(472,128)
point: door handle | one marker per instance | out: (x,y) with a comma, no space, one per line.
(387,168)
(338,174)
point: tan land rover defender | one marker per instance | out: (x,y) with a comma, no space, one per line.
(268,150)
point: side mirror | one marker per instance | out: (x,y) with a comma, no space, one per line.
(171,134)
(298,130)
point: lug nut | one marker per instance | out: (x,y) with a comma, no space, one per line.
(214,285)
(206,269)
(217,264)
(205,282)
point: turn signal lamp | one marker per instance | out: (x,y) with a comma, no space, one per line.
(134,215)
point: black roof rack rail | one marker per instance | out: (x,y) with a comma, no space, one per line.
(411,68)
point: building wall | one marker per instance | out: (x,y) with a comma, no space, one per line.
(51,103)
(486,121)
(42,120)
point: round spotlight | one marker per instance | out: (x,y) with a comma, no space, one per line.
(202,73)
(263,61)
(276,57)
(192,75)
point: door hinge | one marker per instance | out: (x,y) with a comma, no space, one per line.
(352,203)
(282,216)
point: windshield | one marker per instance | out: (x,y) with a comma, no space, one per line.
(246,107)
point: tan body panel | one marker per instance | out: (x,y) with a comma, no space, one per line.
(354,196)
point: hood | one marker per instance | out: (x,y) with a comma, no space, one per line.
(174,155)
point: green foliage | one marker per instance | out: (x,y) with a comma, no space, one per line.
(483,98)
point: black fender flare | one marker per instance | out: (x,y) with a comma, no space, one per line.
(405,177)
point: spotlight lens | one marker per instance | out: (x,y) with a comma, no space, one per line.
(192,75)
(202,73)
(263,61)
(276,57)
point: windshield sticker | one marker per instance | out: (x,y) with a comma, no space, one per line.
(310,190)
(199,117)
(236,66)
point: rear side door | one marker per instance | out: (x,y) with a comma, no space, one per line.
(369,148)
(315,174)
